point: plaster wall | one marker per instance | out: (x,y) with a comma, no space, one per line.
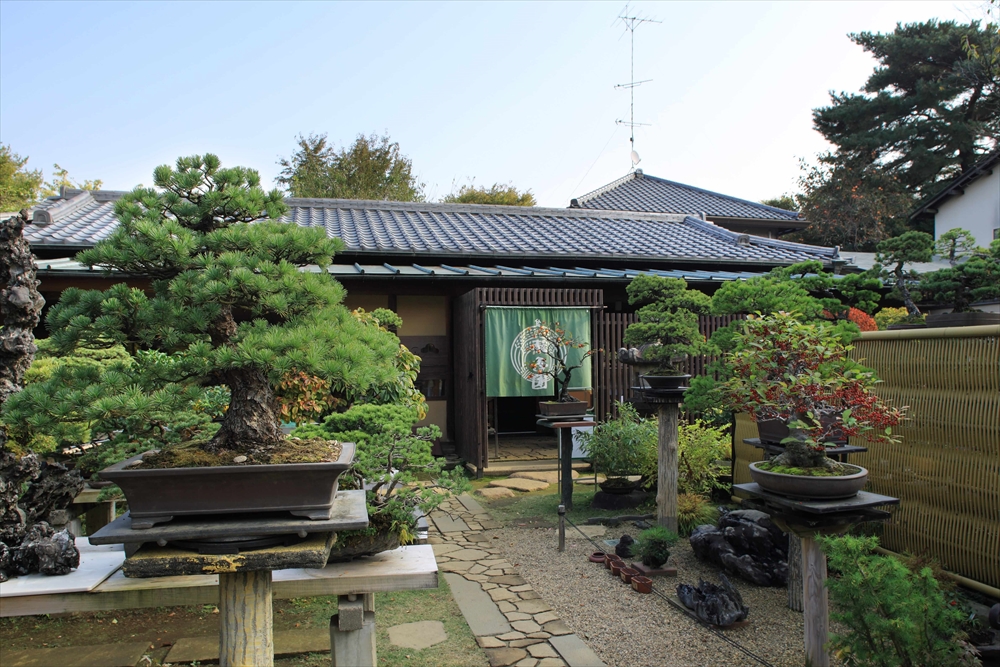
(978,210)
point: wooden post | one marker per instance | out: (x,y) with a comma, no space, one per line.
(816,611)
(566,456)
(794,572)
(245,624)
(666,489)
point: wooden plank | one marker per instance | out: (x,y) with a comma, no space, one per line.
(405,568)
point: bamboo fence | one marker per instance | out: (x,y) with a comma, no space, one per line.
(946,470)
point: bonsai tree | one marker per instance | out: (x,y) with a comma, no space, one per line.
(977,278)
(955,244)
(894,255)
(623,446)
(653,546)
(667,331)
(551,345)
(799,373)
(228,308)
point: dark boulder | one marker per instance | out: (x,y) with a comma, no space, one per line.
(718,605)
(45,550)
(745,543)
(624,546)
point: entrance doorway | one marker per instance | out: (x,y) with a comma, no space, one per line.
(514,434)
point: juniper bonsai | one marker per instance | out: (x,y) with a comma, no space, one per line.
(228,305)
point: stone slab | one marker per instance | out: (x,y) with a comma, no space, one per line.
(557,627)
(480,611)
(418,635)
(446,524)
(494,492)
(289,642)
(536,606)
(520,484)
(508,580)
(107,655)
(547,476)
(502,657)
(469,555)
(97,563)
(469,503)
(575,652)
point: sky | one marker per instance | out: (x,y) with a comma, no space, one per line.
(520,93)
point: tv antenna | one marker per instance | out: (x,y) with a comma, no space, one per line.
(631,23)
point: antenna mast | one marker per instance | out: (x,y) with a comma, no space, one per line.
(631,23)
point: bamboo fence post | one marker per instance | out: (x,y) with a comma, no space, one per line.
(245,621)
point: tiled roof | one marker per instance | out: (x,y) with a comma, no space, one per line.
(640,192)
(467,231)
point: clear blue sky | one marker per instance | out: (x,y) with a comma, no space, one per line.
(518,92)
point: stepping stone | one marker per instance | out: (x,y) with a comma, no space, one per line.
(446,524)
(502,657)
(589,479)
(494,492)
(557,627)
(575,652)
(442,549)
(469,555)
(469,503)
(455,566)
(289,642)
(508,580)
(536,606)
(547,476)
(489,642)
(520,484)
(422,634)
(546,616)
(480,612)
(542,650)
(108,655)
(526,627)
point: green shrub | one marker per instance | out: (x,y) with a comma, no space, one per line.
(699,446)
(626,445)
(693,511)
(895,617)
(653,546)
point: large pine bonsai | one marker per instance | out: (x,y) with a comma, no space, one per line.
(229,305)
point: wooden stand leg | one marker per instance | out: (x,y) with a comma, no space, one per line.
(245,625)
(816,611)
(794,572)
(352,632)
(666,493)
(566,454)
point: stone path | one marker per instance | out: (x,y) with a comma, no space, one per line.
(510,620)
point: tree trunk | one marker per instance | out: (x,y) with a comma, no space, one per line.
(251,425)
(798,454)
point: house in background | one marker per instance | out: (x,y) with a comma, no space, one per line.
(649,194)
(971,201)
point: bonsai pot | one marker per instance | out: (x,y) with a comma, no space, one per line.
(597,557)
(616,568)
(969,319)
(610,559)
(618,485)
(813,488)
(156,495)
(641,584)
(557,409)
(627,573)
(665,381)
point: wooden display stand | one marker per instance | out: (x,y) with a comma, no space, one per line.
(667,402)
(565,431)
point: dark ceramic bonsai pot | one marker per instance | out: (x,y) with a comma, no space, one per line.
(665,381)
(811,488)
(557,409)
(157,495)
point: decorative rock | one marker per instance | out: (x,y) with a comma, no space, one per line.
(44,550)
(489,642)
(419,635)
(519,484)
(746,543)
(502,657)
(492,493)
(240,459)
(624,547)
(719,605)
(543,650)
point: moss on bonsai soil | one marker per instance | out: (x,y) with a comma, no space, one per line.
(291,450)
(837,470)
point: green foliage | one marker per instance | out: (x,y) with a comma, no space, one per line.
(976,279)
(894,255)
(894,617)
(699,446)
(18,185)
(926,113)
(668,321)
(955,244)
(61,179)
(693,511)
(498,194)
(552,356)
(889,316)
(703,400)
(371,168)
(785,202)
(653,545)
(626,445)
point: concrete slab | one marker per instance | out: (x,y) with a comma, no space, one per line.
(575,652)
(520,484)
(108,655)
(418,635)
(446,524)
(480,611)
(289,642)
(469,503)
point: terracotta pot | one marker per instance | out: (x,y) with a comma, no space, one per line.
(556,409)
(156,495)
(610,558)
(597,557)
(642,584)
(812,488)
(616,568)
(627,573)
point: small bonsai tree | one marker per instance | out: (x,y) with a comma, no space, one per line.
(799,373)
(551,345)
(894,255)
(955,244)
(228,306)
(667,331)
(653,546)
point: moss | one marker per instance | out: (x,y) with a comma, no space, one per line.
(836,470)
(294,450)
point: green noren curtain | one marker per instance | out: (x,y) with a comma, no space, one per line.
(507,346)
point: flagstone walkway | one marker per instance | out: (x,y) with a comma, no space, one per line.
(510,620)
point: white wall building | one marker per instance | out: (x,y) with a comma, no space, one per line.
(971,202)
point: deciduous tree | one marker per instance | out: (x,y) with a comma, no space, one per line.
(18,185)
(497,194)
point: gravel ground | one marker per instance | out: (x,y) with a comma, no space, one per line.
(627,629)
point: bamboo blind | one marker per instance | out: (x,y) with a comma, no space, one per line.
(946,470)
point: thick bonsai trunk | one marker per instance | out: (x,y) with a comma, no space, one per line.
(251,425)
(799,454)
(904,292)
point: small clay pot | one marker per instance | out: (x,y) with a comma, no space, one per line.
(627,573)
(597,557)
(641,584)
(616,568)
(611,558)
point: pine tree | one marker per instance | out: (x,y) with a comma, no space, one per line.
(229,304)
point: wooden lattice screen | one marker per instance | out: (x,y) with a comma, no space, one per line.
(946,471)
